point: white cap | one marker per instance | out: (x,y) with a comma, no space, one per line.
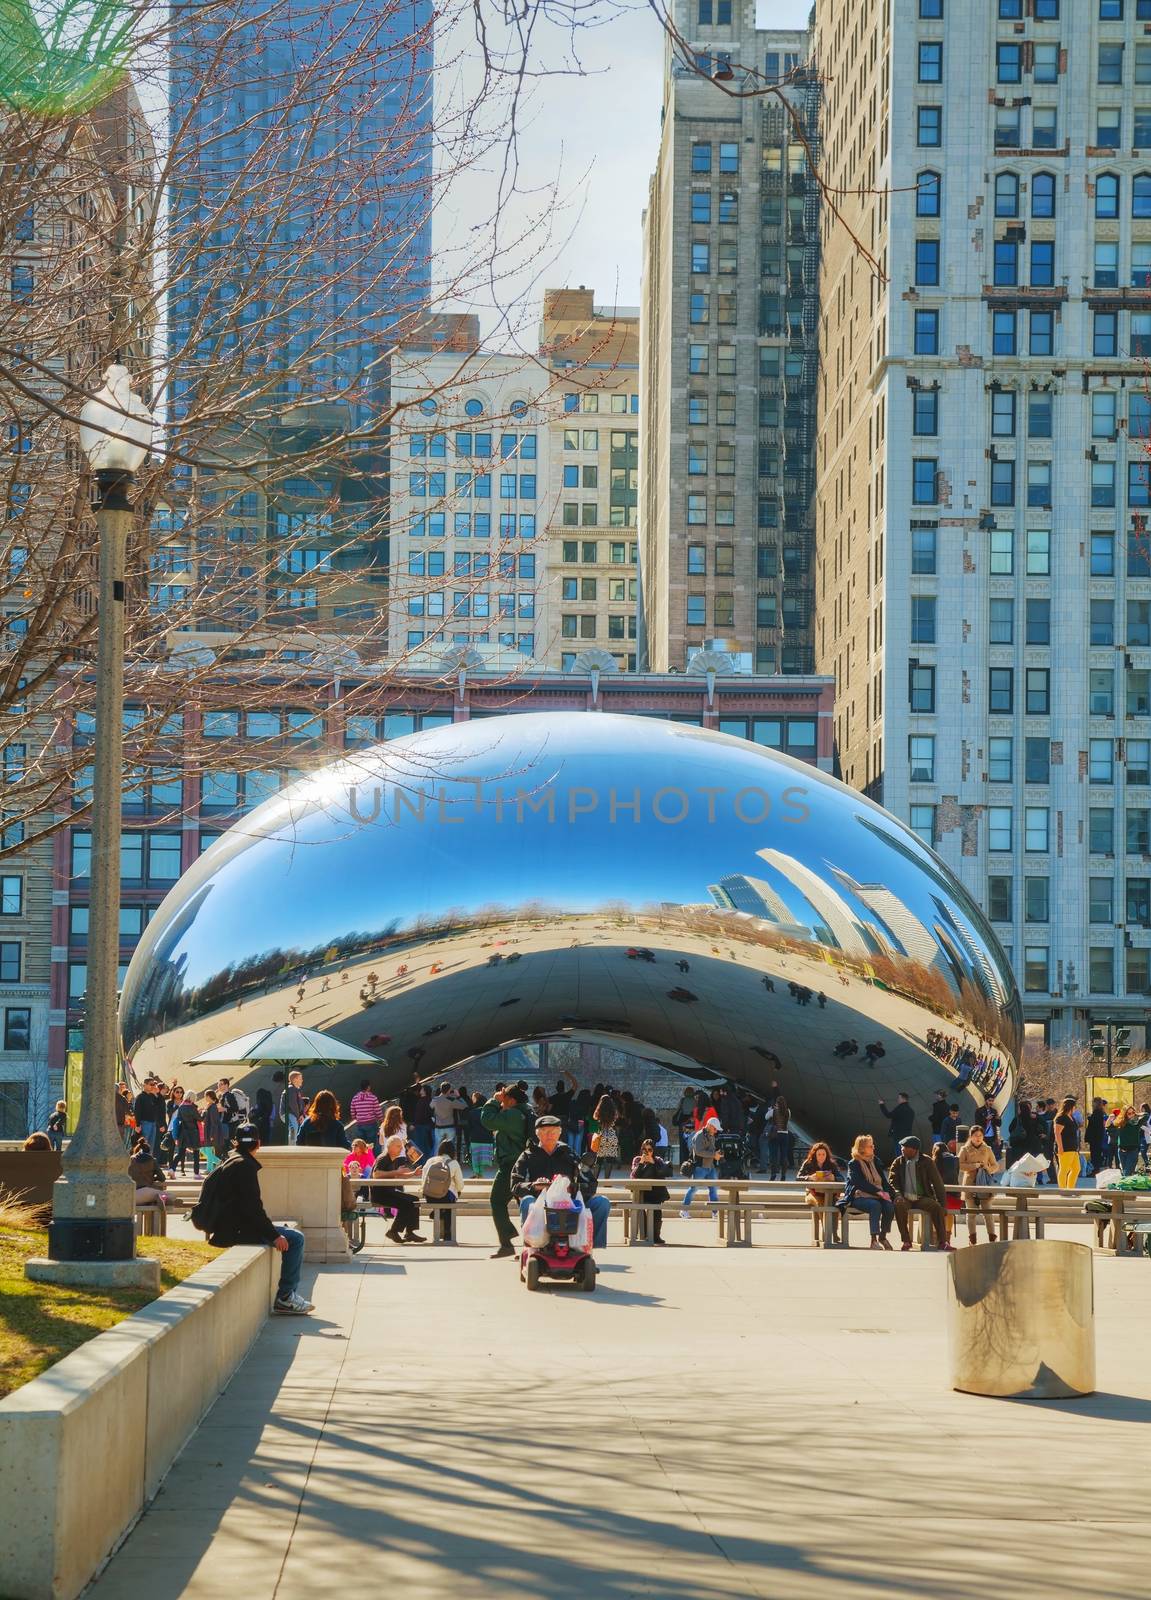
(713,1122)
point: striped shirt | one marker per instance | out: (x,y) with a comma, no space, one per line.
(365,1107)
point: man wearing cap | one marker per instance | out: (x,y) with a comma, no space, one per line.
(235,1215)
(703,1156)
(916,1185)
(509,1122)
(539,1163)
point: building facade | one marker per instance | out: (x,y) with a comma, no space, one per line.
(592,486)
(982,562)
(728,346)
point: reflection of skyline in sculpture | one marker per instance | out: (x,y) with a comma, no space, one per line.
(453,941)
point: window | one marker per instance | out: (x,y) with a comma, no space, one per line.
(1043,194)
(1036,900)
(1041,333)
(999,899)
(697,410)
(1138,691)
(1000,828)
(1107,195)
(1102,555)
(1140,333)
(1107,123)
(1000,758)
(921,756)
(1105,333)
(1039,552)
(700,257)
(1008,63)
(701,157)
(1001,621)
(1038,486)
(11,895)
(1101,691)
(927,333)
(1010,9)
(1001,690)
(1106,269)
(1139,415)
(1141,132)
(1138,900)
(1001,551)
(729,158)
(701,206)
(927,194)
(1101,830)
(927,261)
(1042,263)
(699,308)
(1039,414)
(1035,829)
(922,619)
(923,480)
(698,359)
(1003,413)
(1045,63)
(697,457)
(923,550)
(725,560)
(1138,971)
(723,610)
(929,126)
(1137,756)
(1138,484)
(1110,64)
(696,559)
(1003,333)
(1101,900)
(696,610)
(931,61)
(1006,195)
(1100,761)
(1103,414)
(922,819)
(1003,483)
(921,693)
(1044,127)
(1006,131)
(1102,624)
(931,10)
(1139,622)
(1103,483)
(925,412)
(10,950)
(696,509)
(1035,969)
(1005,270)
(729,207)
(1138,827)
(1037,621)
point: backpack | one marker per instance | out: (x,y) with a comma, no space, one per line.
(209,1213)
(437,1179)
(234,1104)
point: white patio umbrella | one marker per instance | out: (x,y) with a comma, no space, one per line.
(1143,1070)
(285,1047)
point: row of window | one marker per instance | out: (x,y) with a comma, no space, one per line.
(465,564)
(725,210)
(472,485)
(522,445)
(722,611)
(619,590)
(723,510)
(1134,757)
(1005,407)
(586,551)
(588,403)
(726,256)
(1036,702)
(726,307)
(577,626)
(478,525)
(525,643)
(466,604)
(700,459)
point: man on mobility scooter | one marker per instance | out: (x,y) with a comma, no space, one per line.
(534,1172)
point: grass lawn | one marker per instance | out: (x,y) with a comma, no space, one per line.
(41,1322)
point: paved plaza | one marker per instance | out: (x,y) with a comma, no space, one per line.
(773,1422)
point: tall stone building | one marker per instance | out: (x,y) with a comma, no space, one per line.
(728,347)
(593,468)
(983,581)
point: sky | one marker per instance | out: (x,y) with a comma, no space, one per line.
(586,156)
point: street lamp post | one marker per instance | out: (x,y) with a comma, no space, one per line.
(91,1238)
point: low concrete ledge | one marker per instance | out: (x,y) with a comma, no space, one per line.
(85,1446)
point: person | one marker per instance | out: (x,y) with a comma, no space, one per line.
(650,1163)
(703,1157)
(605,1141)
(866,1190)
(359,1161)
(293,1105)
(976,1156)
(231,1211)
(1065,1132)
(947,1163)
(58,1125)
(37,1141)
(122,1107)
(148,1108)
(186,1123)
(1129,1140)
(506,1118)
(420,1127)
(1025,1136)
(366,1113)
(398,1162)
(820,1166)
(683,1118)
(393,1126)
(900,1119)
(263,1112)
(216,1137)
(322,1125)
(233,1105)
(547,1158)
(479,1140)
(938,1112)
(778,1139)
(949,1127)
(445,1156)
(446,1106)
(915,1185)
(147,1174)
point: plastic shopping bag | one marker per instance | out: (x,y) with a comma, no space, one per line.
(1107,1176)
(558,1194)
(535,1226)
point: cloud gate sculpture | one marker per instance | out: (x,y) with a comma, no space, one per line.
(678,892)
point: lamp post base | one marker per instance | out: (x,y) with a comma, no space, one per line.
(141,1272)
(92,1238)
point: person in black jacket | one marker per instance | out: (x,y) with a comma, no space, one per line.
(648,1165)
(541,1161)
(236,1215)
(901,1119)
(322,1123)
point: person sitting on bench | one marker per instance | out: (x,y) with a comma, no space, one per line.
(400,1163)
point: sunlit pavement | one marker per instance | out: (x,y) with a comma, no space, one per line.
(710,1423)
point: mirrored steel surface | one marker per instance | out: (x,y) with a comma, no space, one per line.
(676,891)
(1023,1319)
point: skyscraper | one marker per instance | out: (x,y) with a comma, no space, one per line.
(982,563)
(728,347)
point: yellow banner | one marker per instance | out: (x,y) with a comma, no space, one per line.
(73,1083)
(1115,1091)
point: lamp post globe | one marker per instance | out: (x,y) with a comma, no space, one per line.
(92,1235)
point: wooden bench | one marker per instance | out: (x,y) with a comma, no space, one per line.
(152,1221)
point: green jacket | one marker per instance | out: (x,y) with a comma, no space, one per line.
(510,1128)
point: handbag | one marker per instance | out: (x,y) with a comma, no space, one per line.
(984,1180)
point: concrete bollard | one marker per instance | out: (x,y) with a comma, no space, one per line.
(1022,1319)
(302,1184)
